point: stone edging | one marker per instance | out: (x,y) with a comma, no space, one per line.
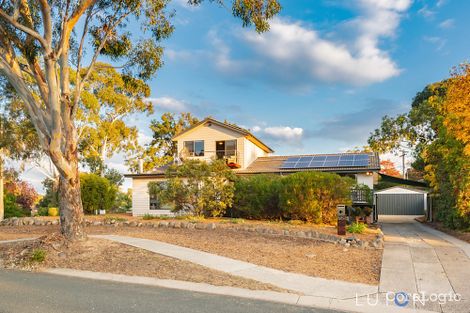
(376,243)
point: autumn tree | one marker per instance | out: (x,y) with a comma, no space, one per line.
(438,148)
(18,140)
(457,106)
(42,41)
(387,167)
(162,149)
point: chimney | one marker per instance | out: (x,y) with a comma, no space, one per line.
(141,166)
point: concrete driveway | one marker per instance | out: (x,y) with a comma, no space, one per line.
(419,260)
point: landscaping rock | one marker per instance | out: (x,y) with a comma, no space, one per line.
(200,226)
(55,222)
(211,226)
(133,224)
(191,225)
(163,224)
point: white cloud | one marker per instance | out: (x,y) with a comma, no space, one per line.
(438,42)
(281,133)
(426,12)
(446,24)
(169,104)
(143,138)
(293,53)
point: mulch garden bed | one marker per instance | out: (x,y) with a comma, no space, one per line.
(106,256)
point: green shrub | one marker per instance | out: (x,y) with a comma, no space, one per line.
(257,197)
(198,188)
(97,193)
(43,211)
(356,228)
(313,196)
(11,208)
(38,255)
(149,217)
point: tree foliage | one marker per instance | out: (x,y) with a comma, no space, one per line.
(198,187)
(97,193)
(436,130)
(387,167)
(107,98)
(43,42)
(162,149)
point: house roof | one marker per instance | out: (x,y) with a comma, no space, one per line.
(401,190)
(272,164)
(402,181)
(232,127)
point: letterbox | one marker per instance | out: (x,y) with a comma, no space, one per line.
(341,208)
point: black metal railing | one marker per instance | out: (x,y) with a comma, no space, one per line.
(361,196)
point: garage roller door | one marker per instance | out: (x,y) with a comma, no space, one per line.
(400,204)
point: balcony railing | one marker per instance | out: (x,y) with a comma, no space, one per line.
(361,196)
(232,157)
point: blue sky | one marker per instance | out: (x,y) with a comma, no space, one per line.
(320,80)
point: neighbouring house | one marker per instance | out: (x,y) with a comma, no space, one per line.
(246,155)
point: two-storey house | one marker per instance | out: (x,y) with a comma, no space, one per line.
(246,155)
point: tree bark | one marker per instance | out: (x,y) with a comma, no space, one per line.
(70,206)
(2,208)
(70,201)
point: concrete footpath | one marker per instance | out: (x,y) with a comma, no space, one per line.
(420,260)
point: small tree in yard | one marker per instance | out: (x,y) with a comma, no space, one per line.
(97,193)
(200,188)
(41,40)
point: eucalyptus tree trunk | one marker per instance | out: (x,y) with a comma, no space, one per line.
(2,208)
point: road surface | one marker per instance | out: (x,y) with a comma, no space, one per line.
(22,292)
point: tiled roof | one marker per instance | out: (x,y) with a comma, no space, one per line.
(272,164)
(233,127)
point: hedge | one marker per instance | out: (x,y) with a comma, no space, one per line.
(308,196)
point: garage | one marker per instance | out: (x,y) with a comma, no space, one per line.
(401,201)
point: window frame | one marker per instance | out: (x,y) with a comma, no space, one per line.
(191,146)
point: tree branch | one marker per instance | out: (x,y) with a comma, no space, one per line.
(26,30)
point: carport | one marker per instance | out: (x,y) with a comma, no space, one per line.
(401,201)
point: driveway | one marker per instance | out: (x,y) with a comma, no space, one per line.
(421,260)
(40,293)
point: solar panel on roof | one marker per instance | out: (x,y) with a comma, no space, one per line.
(319,161)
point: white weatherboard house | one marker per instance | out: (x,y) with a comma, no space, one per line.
(246,155)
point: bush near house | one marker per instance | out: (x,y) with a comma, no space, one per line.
(97,193)
(307,196)
(12,209)
(198,188)
(257,197)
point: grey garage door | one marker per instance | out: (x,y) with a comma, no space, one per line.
(400,204)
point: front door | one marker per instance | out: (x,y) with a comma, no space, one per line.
(220,149)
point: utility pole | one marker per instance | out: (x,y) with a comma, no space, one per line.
(403,163)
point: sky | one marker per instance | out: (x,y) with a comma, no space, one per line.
(318,82)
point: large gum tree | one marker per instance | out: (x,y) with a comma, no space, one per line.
(41,41)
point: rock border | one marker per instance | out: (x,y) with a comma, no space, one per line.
(376,243)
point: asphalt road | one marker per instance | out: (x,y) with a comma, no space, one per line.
(22,292)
